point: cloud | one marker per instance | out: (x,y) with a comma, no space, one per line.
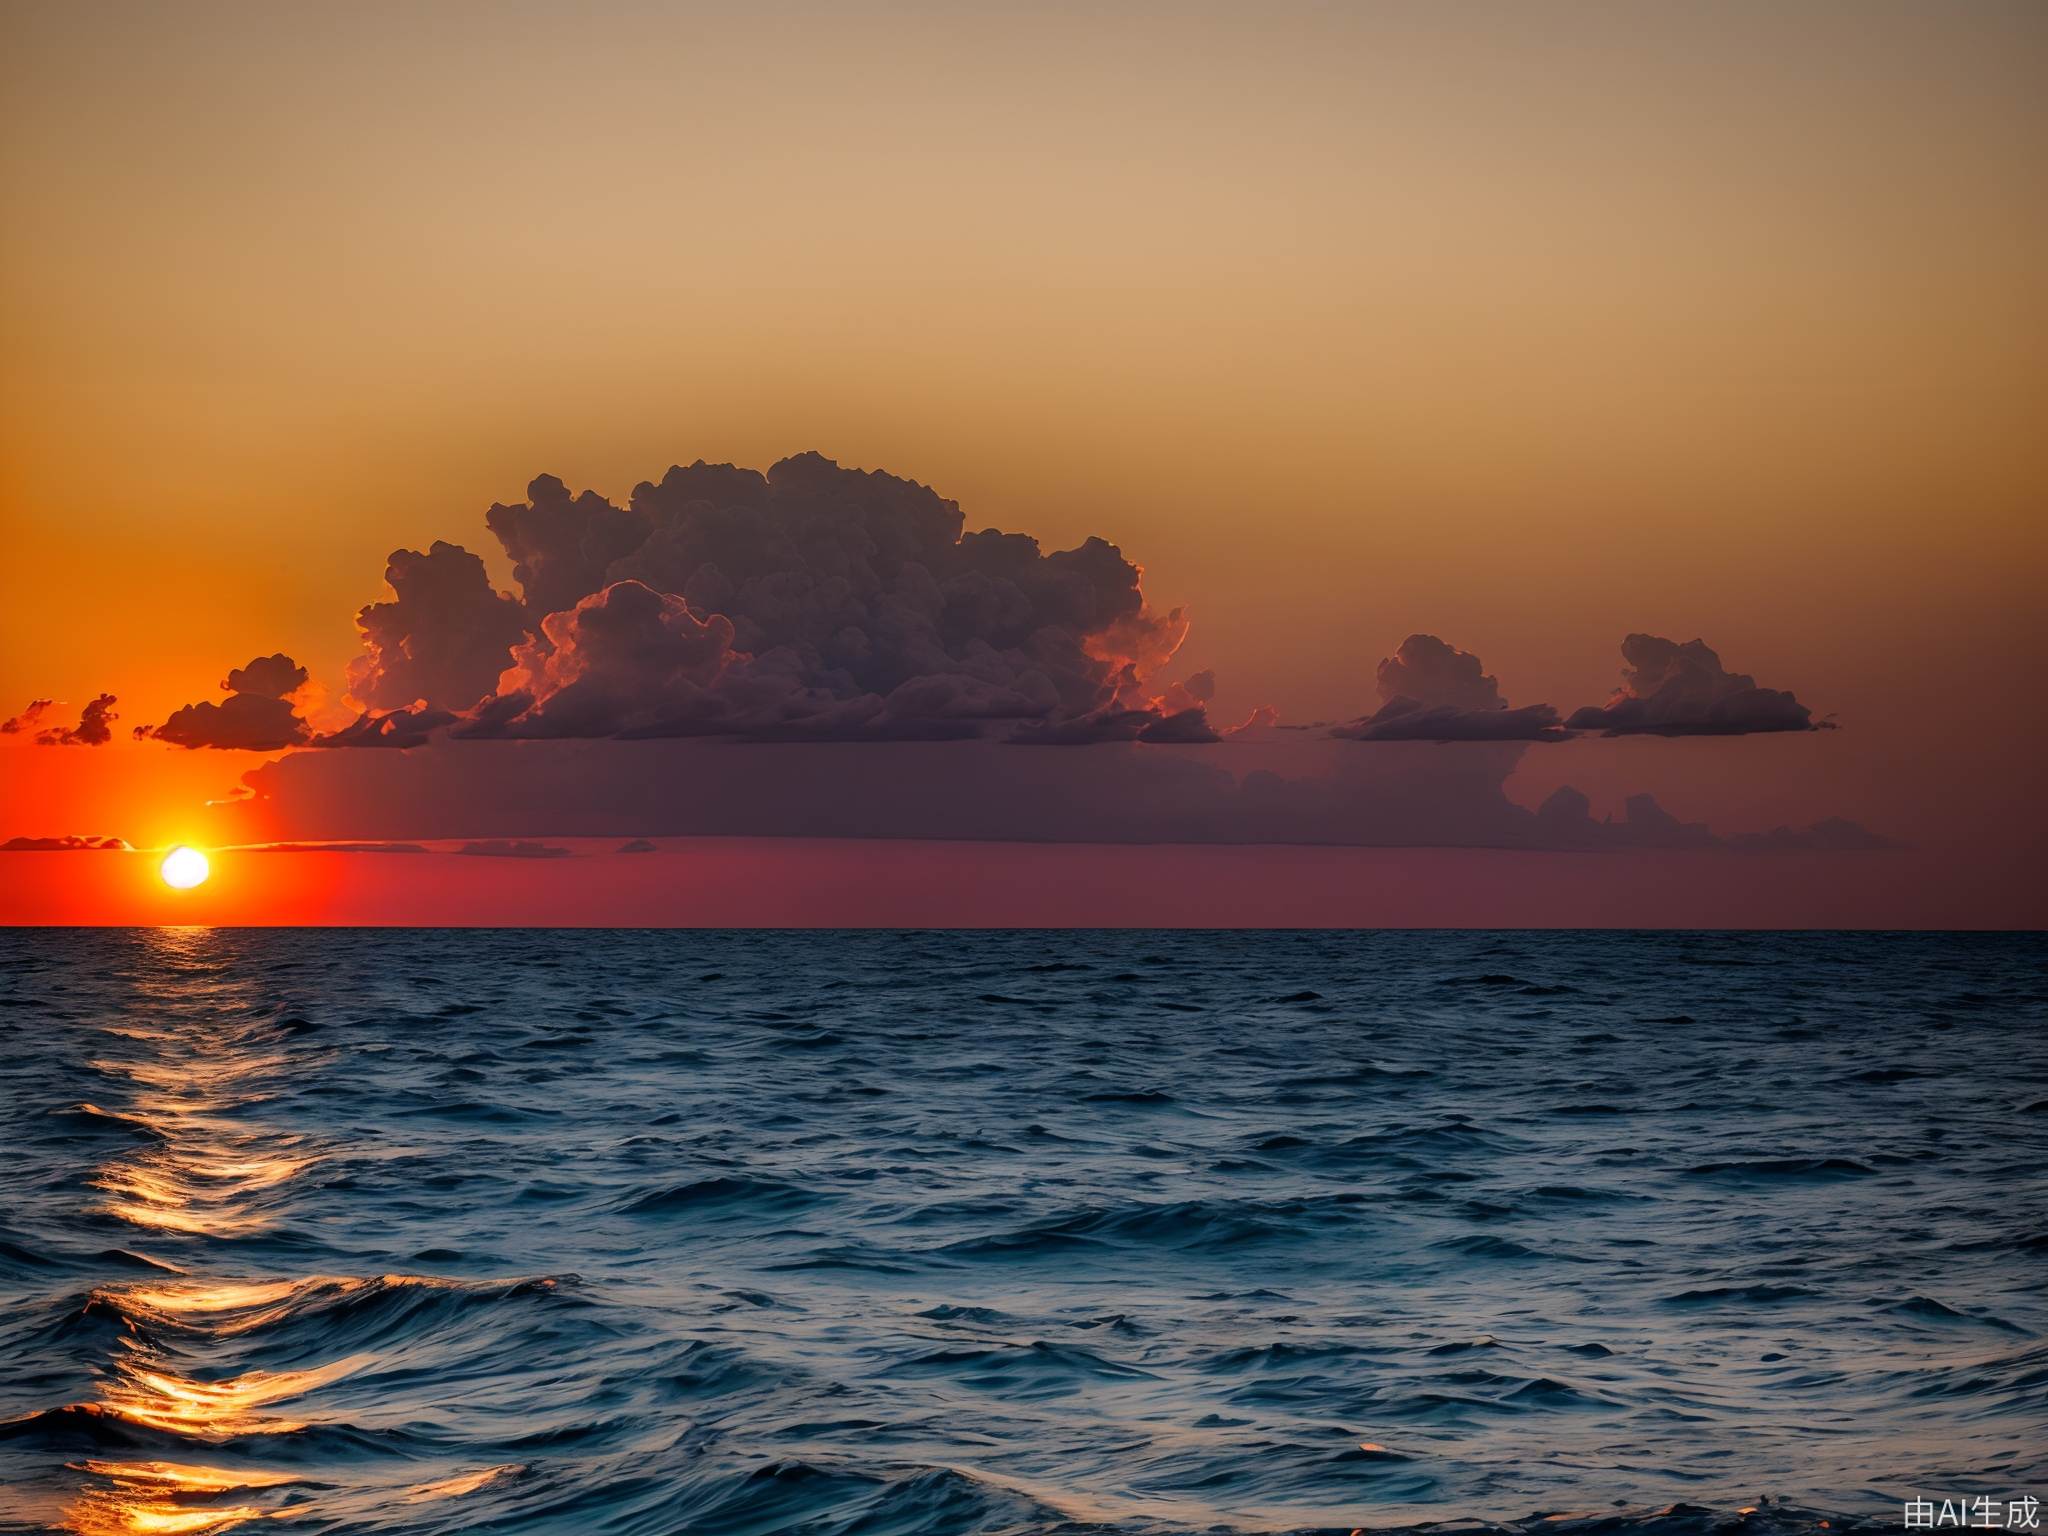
(810,603)
(94,728)
(1435,675)
(257,715)
(1286,787)
(1289,789)
(499,848)
(1670,689)
(444,637)
(69,843)
(1431,691)
(27,719)
(637,845)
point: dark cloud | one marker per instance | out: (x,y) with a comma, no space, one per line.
(848,605)
(1670,689)
(270,677)
(27,719)
(500,848)
(94,728)
(1285,787)
(256,716)
(637,845)
(69,843)
(1431,691)
(442,640)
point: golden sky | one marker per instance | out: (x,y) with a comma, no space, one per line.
(1528,325)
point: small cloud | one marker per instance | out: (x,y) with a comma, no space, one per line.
(1436,674)
(1669,689)
(258,715)
(70,843)
(269,677)
(500,848)
(637,845)
(94,728)
(27,719)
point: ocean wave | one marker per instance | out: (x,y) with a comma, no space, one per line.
(907,1235)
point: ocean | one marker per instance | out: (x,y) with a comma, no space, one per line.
(911,1234)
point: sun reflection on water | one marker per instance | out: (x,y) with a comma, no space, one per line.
(193,1063)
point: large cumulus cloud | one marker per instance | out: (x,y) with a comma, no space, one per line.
(846,605)
(258,714)
(28,719)
(1670,689)
(1431,691)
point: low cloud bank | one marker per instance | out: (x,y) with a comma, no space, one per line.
(69,843)
(27,719)
(1293,790)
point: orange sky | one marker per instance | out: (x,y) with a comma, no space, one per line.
(1528,326)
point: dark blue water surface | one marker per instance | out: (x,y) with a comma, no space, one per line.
(933,1233)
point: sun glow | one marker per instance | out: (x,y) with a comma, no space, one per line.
(184,867)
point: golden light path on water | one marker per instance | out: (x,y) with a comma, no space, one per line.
(197,1062)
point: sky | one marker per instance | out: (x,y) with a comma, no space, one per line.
(1527,327)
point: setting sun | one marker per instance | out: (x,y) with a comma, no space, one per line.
(184,867)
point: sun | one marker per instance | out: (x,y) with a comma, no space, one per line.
(184,867)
